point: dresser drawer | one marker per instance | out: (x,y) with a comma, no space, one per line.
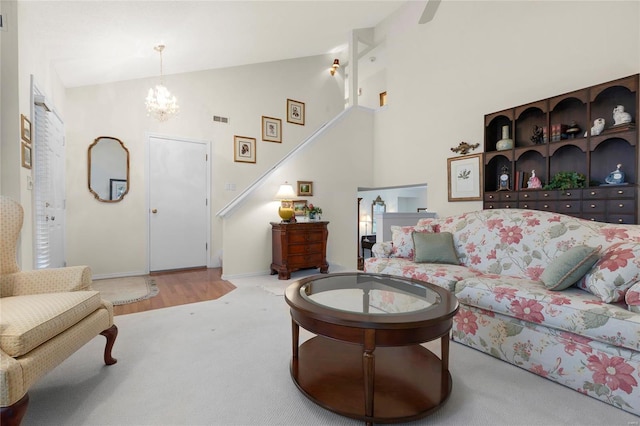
(570,194)
(527,195)
(620,207)
(305,237)
(304,261)
(627,219)
(568,206)
(305,248)
(627,192)
(593,206)
(548,195)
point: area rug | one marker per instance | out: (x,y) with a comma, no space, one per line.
(121,291)
(225,362)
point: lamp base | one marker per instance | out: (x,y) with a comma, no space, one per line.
(286,213)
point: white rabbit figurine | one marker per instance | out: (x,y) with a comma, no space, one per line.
(598,126)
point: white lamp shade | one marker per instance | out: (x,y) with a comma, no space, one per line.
(285,192)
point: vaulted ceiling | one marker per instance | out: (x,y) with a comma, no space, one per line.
(97,41)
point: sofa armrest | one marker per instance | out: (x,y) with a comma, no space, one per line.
(56,280)
(632,298)
(382,249)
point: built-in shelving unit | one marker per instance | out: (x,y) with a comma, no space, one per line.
(558,149)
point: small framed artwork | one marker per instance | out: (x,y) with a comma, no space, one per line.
(305,188)
(295,112)
(464,175)
(271,129)
(299,207)
(244,149)
(117,188)
(25,128)
(26,156)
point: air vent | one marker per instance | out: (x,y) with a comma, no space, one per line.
(219,119)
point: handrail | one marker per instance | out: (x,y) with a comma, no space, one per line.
(238,199)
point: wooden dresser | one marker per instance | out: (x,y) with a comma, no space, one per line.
(298,246)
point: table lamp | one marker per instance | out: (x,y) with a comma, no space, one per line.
(286,195)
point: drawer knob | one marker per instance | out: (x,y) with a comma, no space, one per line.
(491,197)
(593,193)
(508,206)
(546,206)
(593,206)
(568,206)
(568,194)
(508,196)
(546,194)
(526,206)
(526,195)
(490,207)
(620,191)
(592,219)
(621,205)
(620,221)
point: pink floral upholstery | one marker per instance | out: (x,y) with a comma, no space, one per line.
(402,240)
(586,337)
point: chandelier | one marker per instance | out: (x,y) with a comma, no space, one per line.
(160,103)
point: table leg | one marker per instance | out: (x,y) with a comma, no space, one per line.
(444,355)
(369,367)
(295,336)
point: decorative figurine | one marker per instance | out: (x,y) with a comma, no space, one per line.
(538,135)
(573,129)
(598,126)
(616,177)
(503,179)
(464,148)
(534,182)
(620,116)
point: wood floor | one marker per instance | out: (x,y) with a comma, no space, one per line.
(180,288)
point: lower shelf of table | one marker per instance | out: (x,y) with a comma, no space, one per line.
(410,382)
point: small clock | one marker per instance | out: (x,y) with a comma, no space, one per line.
(504,180)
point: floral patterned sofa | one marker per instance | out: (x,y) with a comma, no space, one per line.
(586,337)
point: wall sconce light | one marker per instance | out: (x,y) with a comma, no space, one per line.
(335,66)
(286,195)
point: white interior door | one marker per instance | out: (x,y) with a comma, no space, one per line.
(178,203)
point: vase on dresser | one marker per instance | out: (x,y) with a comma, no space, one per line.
(506,142)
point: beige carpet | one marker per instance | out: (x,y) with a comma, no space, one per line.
(121,291)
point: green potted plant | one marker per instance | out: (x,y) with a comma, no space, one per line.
(566,180)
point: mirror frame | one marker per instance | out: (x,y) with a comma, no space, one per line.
(95,194)
(377,206)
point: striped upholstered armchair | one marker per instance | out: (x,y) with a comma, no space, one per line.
(45,316)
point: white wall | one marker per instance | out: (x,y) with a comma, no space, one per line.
(112,237)
(337,163)
(478,57)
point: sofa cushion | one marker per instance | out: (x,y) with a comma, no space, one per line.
(434,248)
(615,272)
(442,275)
(402,240)
(569,267)
(573,310)
(632,298)
(28,321)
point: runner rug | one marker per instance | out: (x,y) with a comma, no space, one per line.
(121,291)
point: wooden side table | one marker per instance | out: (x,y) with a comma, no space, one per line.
(298,246)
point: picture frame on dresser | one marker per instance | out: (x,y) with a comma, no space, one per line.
(464,177)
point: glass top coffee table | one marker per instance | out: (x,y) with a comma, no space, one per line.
(366,361)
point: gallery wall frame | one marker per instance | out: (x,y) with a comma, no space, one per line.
(26,156)
(271,129)
(295,112)
(244,149)
(25,128)
(305,188)
(465,177)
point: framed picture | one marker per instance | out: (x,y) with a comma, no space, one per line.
(244,149)
(26,156)
(25,127)
(271,129)
(299,207)
(465,178)
(305,188)
(295,112)
(117,188)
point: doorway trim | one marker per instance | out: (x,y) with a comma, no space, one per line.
(208,144)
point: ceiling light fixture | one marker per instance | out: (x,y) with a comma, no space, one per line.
(160,103)
(335,66)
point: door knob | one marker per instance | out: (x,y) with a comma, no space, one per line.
(154,211)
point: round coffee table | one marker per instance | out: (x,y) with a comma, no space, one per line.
(366,361)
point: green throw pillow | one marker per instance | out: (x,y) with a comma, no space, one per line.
(569,267)
(434,248)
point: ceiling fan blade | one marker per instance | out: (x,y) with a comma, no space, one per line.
(429,11)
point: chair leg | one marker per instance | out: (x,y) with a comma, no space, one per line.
(110,333)
(13,414)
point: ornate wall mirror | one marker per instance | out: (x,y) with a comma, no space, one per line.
(108,169)
(377,206)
